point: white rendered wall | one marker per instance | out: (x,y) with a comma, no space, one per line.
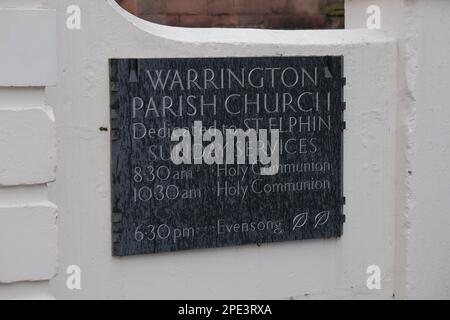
(423,175)
(299,270)
(28,243)
(396,153)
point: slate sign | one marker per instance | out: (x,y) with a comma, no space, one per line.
(213,152)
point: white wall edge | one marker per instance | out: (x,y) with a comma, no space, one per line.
(247,36)
(28,55)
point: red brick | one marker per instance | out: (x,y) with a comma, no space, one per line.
(295,21)
(151,6)
(198,21)
(156,18)
(130,5)
(251,21)
(186,6)
(304,6)
(273,14)
(173,20)
(169,20)
(280,6)
(252,7)
(225,21)
(218,7)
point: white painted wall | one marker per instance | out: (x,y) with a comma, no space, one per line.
(422,28)
(28,233)
(303,269)
(396,175)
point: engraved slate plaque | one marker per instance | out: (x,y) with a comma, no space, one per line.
(213,152)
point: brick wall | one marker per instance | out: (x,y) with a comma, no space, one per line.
(269,14)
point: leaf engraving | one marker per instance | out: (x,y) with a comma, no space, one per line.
(321,218)
(299,220)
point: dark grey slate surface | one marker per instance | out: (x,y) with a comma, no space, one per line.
(191,214)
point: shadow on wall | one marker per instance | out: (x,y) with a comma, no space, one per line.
(266,14)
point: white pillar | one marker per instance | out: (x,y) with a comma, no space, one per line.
(422,28)
(299,270)
(28,232)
